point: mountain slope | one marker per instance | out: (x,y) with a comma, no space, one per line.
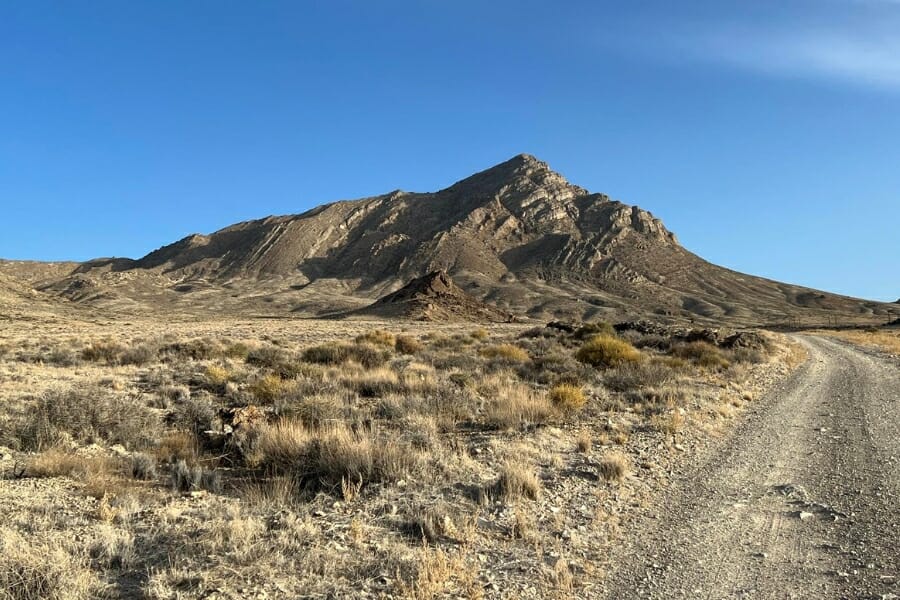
(517,235)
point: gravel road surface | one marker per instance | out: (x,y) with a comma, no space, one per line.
(802,501)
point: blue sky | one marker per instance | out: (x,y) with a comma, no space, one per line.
(765,134)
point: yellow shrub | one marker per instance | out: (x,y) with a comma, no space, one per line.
(217,376)
(267,388)
(509,352)
(607,351)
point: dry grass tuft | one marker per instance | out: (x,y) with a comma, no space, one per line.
(607,351)
(432,575)
(186,478)
(216,376)
(479,334)
(567,398)
(584,441)
(178,445)
(517,481)
(516,406)
(669,423)
(324,458)
(614,467)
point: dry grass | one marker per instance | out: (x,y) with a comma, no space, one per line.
(433,574)
(61,463)
(357,477)
(702,353)
(177,445)
(217,376)
(669,424)
(885,339)
(567,398)
(505,352)
(378,337)
(406,344)
(584,441)
(268,388)
(326,457)
(614,467)
(517,406)
(517,481)
(607,351)
(34,570)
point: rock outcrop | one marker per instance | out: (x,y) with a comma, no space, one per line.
(434,297)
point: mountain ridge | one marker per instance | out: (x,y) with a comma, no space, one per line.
(517,235)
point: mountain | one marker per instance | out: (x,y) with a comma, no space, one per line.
(433,297)
(517,236)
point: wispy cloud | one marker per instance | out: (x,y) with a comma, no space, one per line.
(859,46)
(862,58)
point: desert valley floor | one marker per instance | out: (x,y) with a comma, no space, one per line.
(289,458)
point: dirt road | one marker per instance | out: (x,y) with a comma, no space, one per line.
(803,501)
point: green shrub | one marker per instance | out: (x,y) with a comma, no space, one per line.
(607,351)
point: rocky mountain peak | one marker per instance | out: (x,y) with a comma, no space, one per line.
(522,172)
